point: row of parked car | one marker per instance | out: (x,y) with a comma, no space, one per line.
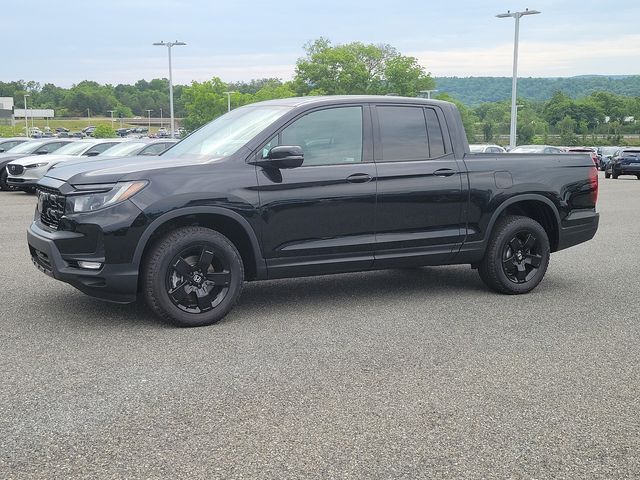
(24,161)
(614,161)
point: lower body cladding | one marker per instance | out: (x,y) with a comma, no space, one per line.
(112,282)
(626,169)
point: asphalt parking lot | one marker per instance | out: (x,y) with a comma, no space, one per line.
(392,374)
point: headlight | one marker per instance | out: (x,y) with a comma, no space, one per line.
(94,201)
(37,165)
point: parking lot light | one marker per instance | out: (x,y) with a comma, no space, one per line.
(26,120)
(514,81)
(149,123)
(228,94)
(169,45)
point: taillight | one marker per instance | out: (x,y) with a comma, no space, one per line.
(594,157)
(593,179)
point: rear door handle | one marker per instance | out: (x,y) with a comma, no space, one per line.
(444,172)
(359,178)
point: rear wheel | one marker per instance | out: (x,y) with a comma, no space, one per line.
(192,277)
(517,256)
(614,175)
(607,174)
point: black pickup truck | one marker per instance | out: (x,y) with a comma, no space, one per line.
(307,186)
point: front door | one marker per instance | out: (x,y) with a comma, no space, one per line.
(319,218)
(419,217)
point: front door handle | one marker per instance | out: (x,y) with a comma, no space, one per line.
(359,178)
(444,172)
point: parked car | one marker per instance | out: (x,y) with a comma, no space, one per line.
(536,149)
(62,130)
(307,186)
(9,143)
(604,155)
(33,147)
(592,153)
(625,161)
(88,131)
(123,132)
(25,172)
(482,148)
(163,133)
(35,132)
(138,147)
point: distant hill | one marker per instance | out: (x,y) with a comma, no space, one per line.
(476,90)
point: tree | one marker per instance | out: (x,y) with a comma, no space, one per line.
(358,68)
(487,131)
(567,129)
(204,101)
(104,131)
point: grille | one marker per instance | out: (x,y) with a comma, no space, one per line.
(51,206)
(15,169)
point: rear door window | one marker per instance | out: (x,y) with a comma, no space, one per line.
(403,133)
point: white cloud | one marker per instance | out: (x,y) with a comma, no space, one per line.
(617,55)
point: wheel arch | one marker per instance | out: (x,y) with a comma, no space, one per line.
(537,207)
(225,221)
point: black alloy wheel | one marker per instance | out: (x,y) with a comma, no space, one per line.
(517,255)
(198,279)
(521,258)
(192,276)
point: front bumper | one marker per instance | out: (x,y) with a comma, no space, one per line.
(28,178)
(113,282)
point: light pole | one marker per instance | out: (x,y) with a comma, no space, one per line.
(514,82)
(26,120)
(89,116)
(149,124)
(428,92)
(228,100)
(161,120)
(169,45)
(111,112)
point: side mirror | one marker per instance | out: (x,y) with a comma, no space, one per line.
(41,152)
(91,154)
(283,156)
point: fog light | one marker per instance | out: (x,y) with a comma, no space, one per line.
(89,265)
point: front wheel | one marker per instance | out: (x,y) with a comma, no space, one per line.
(517,256)
(192,277)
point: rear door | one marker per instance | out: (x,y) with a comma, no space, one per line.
(319,217)
(419,215)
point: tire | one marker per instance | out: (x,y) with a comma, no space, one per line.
(192,277)
(614,175)
(638,177)
(517,256)
(607,174)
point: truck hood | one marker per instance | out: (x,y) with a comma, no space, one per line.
(94,171)
(51,158)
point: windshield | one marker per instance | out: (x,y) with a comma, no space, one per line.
(609,150)
(75,148)
(27,147)
(226,134)
(123,149)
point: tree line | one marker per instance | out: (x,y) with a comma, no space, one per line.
(350,69)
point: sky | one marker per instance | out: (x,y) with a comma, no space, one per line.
(110,41)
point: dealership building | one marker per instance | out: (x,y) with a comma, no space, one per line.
(9,115)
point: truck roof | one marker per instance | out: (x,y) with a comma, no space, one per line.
(332,99)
